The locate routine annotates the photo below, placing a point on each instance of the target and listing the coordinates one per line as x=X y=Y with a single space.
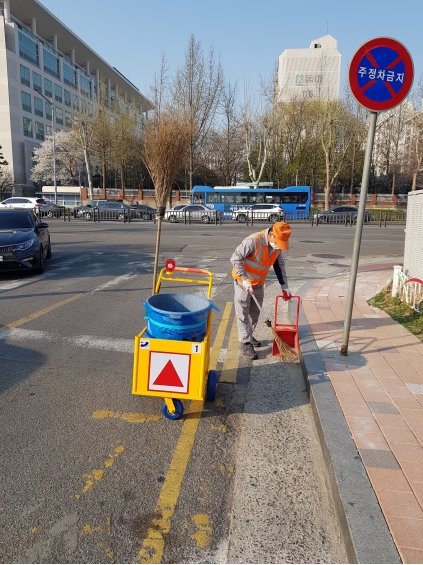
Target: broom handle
x=256 y=301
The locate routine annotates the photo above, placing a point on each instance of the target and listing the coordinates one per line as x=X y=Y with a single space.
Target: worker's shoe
x=255 y=342
x=248 y=350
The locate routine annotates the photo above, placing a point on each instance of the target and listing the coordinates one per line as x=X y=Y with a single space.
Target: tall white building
x=313 y=72
x=42 y=61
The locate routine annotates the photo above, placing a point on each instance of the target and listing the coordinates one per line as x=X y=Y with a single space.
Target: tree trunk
x=352 y=171
x=413 y=186
x=90 y=178
x=394 y=180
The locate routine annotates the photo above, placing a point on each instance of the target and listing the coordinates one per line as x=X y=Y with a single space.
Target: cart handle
x=191 y=270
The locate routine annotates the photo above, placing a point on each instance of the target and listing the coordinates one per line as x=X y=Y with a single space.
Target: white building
x=313 y=72
x=42 y=61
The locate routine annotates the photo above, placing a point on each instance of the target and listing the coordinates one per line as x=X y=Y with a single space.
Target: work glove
x=246 y=283
x=286 y=294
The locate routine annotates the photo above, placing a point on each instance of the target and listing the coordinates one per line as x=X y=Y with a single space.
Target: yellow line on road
x=230 y=365
x=44 y=311
x=154 y=544
x=220 y=336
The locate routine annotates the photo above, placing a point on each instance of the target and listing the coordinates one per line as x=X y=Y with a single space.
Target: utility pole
x=54 y=145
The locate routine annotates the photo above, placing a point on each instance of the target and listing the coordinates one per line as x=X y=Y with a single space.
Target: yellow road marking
x=153 y=545
x=230 y=366
x=44 y=311
x=220 y=336
x=204 y=530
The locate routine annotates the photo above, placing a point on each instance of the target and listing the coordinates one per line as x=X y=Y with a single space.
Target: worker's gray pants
x=246 y=311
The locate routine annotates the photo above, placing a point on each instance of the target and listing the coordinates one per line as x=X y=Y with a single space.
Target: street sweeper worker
x=251 y=262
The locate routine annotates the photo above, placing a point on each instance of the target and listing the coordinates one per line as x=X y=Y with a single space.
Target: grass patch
x=399 y=311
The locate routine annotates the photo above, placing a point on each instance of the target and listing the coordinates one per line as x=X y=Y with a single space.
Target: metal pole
x=54 y=153
x=358 y=232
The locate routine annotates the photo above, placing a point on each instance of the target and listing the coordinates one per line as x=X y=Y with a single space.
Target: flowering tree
x=68 y=159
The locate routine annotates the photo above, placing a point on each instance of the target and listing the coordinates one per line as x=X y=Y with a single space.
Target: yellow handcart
x=175 y=369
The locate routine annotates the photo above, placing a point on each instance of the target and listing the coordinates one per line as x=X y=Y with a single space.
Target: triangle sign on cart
x=169 y=372
x=168 y=376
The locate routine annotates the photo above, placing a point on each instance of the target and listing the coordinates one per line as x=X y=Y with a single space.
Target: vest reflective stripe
x=257 y=265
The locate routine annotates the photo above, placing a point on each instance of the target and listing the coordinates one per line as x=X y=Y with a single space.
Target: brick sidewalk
x=380 y=390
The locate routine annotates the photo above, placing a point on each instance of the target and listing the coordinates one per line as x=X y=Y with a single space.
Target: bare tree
x=196 y=93
x=416 y=137
x=83 y=131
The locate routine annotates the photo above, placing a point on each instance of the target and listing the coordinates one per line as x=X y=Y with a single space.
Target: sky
x=247 y=36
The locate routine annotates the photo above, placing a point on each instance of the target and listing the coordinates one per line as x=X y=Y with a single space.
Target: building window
x=38 y=106
x=76 y=102
x=68 y=119
x=39 y=131
x=51 y=63
x=36 y=81
x=49 y=131
x=59 y=116
x=49 y=111
x=27 y=125
x=48 y=88
x=85 y=85
x=58 y=93
x=28 y=48
x=68 y=98
x=69 y=74
x=26 y=101
x=25 y=79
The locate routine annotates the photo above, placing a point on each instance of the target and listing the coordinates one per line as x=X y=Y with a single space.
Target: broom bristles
x=286 y=352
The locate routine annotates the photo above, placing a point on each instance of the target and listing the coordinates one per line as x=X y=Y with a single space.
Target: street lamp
x=54 y=145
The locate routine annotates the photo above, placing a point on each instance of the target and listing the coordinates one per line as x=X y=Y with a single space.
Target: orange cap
x=282 y=232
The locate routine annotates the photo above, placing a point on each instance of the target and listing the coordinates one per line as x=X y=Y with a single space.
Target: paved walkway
x=380 y=390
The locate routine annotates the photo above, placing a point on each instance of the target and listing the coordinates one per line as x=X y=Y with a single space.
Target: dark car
x=339 y=213
x=78 y=211
x=24 y=241
x=143 y=211
x=193 y=212
x=51 y=210
x=108 y=210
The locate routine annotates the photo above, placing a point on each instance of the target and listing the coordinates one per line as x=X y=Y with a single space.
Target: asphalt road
x=92 y=474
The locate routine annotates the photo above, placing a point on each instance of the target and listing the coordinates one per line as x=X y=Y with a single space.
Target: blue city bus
x=294 y=200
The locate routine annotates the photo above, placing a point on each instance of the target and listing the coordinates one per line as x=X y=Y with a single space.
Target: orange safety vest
x=257 y=265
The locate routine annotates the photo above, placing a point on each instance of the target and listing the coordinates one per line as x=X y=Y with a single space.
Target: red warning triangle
x=168 y=376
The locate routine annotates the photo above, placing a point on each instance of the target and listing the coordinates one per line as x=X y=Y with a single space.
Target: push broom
x=286 y=352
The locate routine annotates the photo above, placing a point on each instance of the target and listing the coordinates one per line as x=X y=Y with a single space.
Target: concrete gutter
x=365 y=533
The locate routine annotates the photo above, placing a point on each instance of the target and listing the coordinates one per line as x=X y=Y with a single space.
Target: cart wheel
x=211 y=386
x=179 y=410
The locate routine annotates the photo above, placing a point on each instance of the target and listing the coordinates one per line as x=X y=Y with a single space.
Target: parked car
x=339 y=213
x=109 y=211
x=143 y=211
x=79 y=210
x=51 y=210
x=24 y=241
x=268 y=212
x=193 y=211
x=23 y=202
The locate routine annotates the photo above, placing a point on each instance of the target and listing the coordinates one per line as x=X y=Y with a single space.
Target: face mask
x=273 y=245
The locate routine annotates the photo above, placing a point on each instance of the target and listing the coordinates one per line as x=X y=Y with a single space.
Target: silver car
x=194 y=212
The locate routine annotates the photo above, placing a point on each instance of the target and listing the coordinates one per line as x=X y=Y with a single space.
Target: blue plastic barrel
x=177 y=316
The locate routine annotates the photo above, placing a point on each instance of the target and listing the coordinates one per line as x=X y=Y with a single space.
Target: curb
x=363 y=527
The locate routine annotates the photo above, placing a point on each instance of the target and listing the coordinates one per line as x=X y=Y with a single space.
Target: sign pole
x=358 y=232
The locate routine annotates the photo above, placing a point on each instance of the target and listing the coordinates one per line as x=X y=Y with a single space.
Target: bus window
x=240 y=198
x=213 y=198
x=272 y=198
x=199 y=197
x=228 y=198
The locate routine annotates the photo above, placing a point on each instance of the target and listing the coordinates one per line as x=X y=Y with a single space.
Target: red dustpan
x=287 y=332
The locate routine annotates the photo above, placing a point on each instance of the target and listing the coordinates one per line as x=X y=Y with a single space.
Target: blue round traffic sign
x=381 y=74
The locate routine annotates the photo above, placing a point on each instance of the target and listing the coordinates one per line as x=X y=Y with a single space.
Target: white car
x=35 y=204
x=268 y=212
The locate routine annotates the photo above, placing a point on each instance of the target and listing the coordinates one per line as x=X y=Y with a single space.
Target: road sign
x=169 y=372
x=381 y=74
